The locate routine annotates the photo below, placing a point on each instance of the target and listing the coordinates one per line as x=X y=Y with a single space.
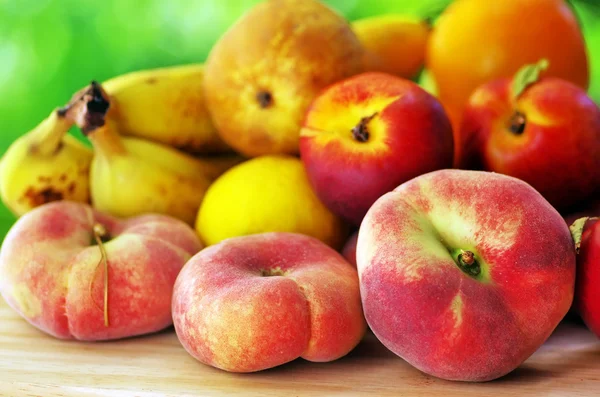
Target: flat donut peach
x=52 y=271
x=258 y=301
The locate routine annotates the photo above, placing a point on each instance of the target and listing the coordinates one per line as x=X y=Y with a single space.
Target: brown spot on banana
x=36 y=198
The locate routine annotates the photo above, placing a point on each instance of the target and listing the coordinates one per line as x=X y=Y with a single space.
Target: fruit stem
x=467 y=258
x=277 y=271
x=46 y=137
x=360 y=132
x=99 y=232
x=264 y=98
x=106 y=140
x=88 y=108
x=467 y=263
x=517 y=123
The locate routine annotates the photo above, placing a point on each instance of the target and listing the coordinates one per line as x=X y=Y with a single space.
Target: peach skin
x=587 y=287
x=266 y=69
x=255 y=302
x=476 y=41
x=464 y=274
x=366 y=135
x=547 y=135
x=53 y=271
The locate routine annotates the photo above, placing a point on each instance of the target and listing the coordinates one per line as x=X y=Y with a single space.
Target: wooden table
x=33 y=364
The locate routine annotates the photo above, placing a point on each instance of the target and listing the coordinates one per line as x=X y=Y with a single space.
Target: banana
x=132 y=176
x=164 y=105
x=45 y=164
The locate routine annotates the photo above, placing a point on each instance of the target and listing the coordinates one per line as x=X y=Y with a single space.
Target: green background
x=51 y=48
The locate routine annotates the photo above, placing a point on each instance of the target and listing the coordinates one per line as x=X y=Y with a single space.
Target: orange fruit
x=475 y=41
x=393 y=43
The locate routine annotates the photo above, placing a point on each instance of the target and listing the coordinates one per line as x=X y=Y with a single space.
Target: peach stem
x=466 y=262
x=361 y=131
x=467 y=258
x=264 y=98
x=517 y=123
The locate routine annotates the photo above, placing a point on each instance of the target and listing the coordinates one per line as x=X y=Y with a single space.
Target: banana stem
x=48 y=135
x=107 y=141
x=88 y=109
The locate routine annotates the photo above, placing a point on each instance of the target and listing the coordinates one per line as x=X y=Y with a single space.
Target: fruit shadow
x=526 y=374
x=569 y=349
x=164 y=333
x=368 y=350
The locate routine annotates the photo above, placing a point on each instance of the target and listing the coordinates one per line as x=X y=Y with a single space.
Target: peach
x=476 y=41
x=366 y=135
x=464 y=274
x=587 y=287
x=547 y=135
x=265 y=70
x=52 y=271
x=258 y=301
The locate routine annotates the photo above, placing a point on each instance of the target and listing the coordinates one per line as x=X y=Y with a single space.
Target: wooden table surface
x=33 y=364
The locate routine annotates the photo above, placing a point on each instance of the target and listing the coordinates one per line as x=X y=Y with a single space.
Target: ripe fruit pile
x=299 y=130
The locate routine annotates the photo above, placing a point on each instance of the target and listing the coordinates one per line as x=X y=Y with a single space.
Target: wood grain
x=34 y=364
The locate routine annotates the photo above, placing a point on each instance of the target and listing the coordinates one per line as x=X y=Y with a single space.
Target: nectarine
x=476 y=41
x=548 y=136
x=364 y=136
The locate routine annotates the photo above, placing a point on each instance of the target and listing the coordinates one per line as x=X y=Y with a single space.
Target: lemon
x=266 y=194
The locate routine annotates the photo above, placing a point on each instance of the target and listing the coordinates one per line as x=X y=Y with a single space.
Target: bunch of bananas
x=154 y=145
x=155 y=148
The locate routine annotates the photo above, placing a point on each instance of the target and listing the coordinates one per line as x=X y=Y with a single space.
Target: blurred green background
x=51 y=48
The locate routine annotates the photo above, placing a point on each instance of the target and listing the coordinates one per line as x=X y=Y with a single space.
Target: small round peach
x=364 y=136
x=545 y=132
x=587 y=287
x=76 y=273
x=464 y=274
x=255 y=302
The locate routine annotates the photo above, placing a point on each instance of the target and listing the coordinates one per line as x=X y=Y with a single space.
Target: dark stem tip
x=517 y=123
x=98 y=103
x=264 y=98
x=62 y=112
x=360 y=132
